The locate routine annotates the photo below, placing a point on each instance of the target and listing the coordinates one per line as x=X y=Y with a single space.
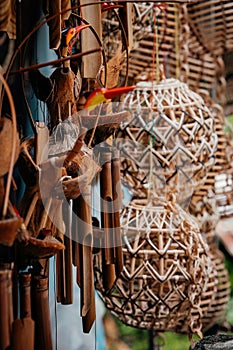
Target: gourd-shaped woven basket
x=166 y=268
x=170 y=137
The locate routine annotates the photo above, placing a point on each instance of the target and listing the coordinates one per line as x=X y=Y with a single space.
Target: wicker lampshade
x=166 y=268
x=171 y=137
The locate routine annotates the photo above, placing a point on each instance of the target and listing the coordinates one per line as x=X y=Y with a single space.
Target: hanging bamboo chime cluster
x=57 y=166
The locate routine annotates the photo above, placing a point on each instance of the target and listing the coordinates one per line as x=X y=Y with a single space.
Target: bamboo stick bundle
x=41 y=313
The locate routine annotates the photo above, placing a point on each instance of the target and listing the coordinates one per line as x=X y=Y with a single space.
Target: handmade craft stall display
x=154 y=266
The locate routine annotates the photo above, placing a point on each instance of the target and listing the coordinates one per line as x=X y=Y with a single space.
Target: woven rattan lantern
x=170 y=137
x=166 y=268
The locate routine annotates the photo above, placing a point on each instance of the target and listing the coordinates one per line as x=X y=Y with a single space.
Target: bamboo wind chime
x=110 y=221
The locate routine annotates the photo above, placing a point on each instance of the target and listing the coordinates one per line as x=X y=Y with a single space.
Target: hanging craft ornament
x=166 y=268
x=172 y=125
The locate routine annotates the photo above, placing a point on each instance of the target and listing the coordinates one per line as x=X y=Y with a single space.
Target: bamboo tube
x=15 y=296
x=41 y=313
x=60 y=276
x=108 y=251
x=23 y=329
x=10 y=301
x=91 y=63
x=4 y=310
x=68 y=299
x=86 y=273
x=117 y=201
x=126 y=15
x=75 y=245
x=42 y=139
x=25 y=295
x=74 y=235
x=106 y=206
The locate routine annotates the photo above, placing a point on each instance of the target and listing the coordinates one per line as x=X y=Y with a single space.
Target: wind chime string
x=158 y=9
x=177 y=50
x=152 y=182
x=155 y=66
x=155 y=51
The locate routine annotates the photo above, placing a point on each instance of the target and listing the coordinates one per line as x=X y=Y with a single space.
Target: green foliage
x=230 y=118
x=174 y=341
x=138 y=339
